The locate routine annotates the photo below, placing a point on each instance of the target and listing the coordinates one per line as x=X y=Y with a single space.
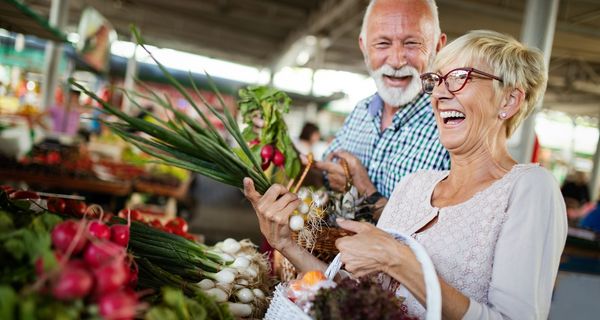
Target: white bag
x=283 y=308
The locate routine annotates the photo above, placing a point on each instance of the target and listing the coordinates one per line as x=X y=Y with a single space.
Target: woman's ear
x=512 y=103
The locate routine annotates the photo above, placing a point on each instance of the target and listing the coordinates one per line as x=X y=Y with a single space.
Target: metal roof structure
x=17 y=17
x=271 y=33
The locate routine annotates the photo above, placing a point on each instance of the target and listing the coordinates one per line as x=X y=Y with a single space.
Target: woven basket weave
x=283 y=308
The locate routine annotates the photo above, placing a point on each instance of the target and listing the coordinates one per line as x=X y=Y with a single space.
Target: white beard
x=396 y=97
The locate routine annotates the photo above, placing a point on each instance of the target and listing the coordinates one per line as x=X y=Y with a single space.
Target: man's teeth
x=451 y=114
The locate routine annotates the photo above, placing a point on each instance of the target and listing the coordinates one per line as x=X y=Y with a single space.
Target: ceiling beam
x=327 y=13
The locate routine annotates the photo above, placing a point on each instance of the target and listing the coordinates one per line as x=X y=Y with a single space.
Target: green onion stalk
x=182 y=141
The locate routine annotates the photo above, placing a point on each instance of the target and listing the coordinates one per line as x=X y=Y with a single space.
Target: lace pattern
x=462 y=242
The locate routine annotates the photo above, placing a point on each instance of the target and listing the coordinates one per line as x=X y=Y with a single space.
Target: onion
x=258 y=293
x=240 y=309
x=218 y=294
x=206 y=284
x=231 y=246
x=303 y=208
x=296 y=223
x=241 y=262
x=225 y=276
x=244 y=295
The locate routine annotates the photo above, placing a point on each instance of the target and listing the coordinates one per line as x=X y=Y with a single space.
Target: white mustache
x=405 y=71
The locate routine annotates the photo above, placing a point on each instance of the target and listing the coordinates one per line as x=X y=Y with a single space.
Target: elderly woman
x=493 y=228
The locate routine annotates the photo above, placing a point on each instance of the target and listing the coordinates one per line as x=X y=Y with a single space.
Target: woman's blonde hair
x=519 y=66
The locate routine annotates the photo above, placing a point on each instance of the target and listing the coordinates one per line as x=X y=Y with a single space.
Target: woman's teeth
x=452 y=116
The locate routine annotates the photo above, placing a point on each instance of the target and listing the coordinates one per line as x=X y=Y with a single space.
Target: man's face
x=399 y=46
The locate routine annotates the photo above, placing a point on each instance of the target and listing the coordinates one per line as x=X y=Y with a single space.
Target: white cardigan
x=501 y=248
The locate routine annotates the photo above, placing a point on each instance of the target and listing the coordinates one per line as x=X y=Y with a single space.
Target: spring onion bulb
x=244 y=295
x=218 y=294
x=258 y=293
x=206 y=284
x=303 y=208
x=240 y=309
x=296 y=223
x=241 y=262
x=231 y=246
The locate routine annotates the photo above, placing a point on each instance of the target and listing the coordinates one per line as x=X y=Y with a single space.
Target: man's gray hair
x=432 y=7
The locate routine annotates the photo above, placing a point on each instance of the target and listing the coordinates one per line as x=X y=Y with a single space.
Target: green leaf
x=8 y=302
x=16 y=248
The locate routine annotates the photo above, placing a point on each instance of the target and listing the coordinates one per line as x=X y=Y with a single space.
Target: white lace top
x=501 y=248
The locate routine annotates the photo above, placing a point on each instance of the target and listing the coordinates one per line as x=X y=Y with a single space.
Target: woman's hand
x=273 y=210
x=373 y=250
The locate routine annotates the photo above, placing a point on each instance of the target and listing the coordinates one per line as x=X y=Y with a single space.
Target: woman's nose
x=440 y=91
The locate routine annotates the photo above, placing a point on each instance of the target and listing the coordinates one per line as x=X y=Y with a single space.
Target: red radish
x=110 y=277
x=56 y=205
x=24 y=194
x=120 y=305
x=133 y=275
x=73 y=283
x=119 y=234
x=278 y=158
x=75 y=208
x=99 y=230
x=135 y=214
x=266 y=153
x=265 y=164
x=39 y=263
x=101 y=252
x=7 y=189
x=253 y=142
x=64 y=234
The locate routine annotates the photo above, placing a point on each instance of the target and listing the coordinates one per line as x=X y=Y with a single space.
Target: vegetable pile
x=90 y=266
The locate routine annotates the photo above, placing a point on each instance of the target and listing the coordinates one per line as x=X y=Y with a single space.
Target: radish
x=278 y=158
x=72 y=283
x=119 y=233
x=267 y=151
x=64 y=234
x=99 y=230
x=120 y=305
x=101 y=252
x=110 y=277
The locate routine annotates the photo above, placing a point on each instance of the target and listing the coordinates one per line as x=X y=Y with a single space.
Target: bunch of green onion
x=182 y=141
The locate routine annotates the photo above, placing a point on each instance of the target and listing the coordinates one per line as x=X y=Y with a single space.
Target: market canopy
x=17 y=17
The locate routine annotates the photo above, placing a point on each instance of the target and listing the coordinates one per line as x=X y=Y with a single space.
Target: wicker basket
x=283 y=308
x=324 y=246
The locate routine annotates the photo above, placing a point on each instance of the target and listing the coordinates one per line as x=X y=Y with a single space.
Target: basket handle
x=432 y=284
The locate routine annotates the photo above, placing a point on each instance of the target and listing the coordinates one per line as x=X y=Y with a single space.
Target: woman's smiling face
x=468 y=118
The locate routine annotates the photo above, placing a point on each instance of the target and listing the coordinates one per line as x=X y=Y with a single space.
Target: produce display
x=68 y=259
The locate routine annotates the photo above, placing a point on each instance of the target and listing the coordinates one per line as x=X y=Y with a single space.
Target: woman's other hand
x=372 y=250
x=273 y=210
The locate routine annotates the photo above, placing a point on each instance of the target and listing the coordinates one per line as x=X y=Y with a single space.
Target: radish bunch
x=270 y=154
x=94 y=266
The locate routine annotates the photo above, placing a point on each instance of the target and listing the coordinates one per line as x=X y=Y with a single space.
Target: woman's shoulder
x=534 y=177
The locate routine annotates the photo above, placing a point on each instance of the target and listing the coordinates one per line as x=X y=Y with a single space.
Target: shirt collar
x=375 y=108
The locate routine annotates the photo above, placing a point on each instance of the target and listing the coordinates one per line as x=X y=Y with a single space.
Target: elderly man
x=393 y=132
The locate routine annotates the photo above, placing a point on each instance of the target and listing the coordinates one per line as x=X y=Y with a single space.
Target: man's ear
x=361 y=45
x=513 y=102
x=441 y=42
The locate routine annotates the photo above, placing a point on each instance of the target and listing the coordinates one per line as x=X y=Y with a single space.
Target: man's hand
x=337 y=176
x=273 y=210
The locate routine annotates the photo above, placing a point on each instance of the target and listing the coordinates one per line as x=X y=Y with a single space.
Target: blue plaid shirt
x=409 y=144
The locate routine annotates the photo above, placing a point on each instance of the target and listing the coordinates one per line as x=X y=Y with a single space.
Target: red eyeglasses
x=455 y=79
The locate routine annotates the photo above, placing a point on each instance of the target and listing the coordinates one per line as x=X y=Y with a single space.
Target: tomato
x=56 y=205
x=135 y=214
x=24 y=194
x=75 y=208
x=178 y=225
x=156 y=224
